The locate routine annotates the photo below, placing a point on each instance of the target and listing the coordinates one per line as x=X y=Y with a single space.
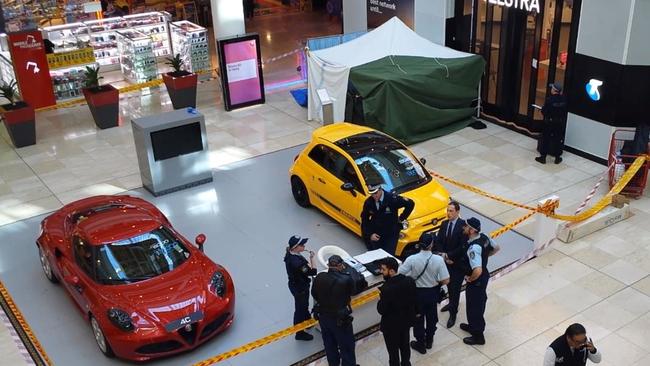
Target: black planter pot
x=104 y=105
x=20 y=121
x=181 y=89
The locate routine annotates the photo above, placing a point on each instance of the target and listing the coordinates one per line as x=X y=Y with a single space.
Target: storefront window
x=563 y=45
x=529 y=45
x=495 y=47
x=544 y=55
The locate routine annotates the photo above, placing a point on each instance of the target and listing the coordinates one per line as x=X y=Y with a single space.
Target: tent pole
x=478 y=105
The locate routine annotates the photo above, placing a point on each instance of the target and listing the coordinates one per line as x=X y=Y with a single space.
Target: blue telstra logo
x=592 y=89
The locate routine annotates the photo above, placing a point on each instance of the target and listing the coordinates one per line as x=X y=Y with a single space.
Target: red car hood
x=167 y=297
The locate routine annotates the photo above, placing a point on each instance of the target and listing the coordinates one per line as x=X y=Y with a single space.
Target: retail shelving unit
x=7 y=73
x=153 y=24
x=137 y=58
x=104 y=40
x=68 y=37
x=191 y=42
x=23 y=14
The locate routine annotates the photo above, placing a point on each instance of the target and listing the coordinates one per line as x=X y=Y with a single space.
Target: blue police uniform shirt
x=474 y=254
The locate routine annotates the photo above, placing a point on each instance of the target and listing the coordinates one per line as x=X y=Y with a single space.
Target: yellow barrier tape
x=123 y=90
x=356 y=302
x=23 y=324
x=549 y=211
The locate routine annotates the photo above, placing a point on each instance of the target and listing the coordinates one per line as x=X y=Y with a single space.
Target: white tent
x=329 y=68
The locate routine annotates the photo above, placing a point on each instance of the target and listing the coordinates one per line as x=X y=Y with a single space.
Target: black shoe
x=558 y=160
x=541 y=159
x=418 y=347
x=429 y=344
x=465 y=327
x=304 y=336
x=451 y=321
x=474 y=340
x=445 y=308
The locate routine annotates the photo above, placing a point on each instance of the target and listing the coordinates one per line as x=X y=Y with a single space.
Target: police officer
x=450 y=243
x=332 y=292
x=573 y=348
x=551 y=142
x=299 y=271
x=429 y=272
x=380 y=223
x=479 y=248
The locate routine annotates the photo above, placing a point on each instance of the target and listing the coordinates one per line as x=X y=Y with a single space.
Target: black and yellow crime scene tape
x=23 y=330
x=547 y=210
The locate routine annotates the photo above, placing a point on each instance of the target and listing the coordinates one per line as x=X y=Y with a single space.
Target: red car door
x=76 y=268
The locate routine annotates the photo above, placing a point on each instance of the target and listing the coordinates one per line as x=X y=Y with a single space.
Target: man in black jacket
x=396 y=306
x=551 y=142
x=332 y=292
x=450 y=242
x=573 y=348
x=380 y=223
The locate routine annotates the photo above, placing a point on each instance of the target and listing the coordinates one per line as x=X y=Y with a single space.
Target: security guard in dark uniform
x=479 y=248
x=299 y=271
x=380 y=224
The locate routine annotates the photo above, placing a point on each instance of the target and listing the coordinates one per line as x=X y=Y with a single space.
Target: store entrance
x=524 y=51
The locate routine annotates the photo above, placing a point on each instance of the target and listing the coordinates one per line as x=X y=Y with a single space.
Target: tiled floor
x=601 y=280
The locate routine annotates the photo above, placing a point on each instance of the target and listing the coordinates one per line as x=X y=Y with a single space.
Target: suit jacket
x=384 y=221
x=454 y=244
x=397 y=299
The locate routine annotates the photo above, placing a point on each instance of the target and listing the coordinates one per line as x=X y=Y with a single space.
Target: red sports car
x=146 y=290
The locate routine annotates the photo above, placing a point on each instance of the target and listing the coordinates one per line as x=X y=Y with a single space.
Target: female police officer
x=299 y=270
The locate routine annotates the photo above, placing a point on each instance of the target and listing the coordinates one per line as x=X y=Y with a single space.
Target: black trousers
x=301 y=305
x=551 y=142
x=427 y=301
x=476 y=297
x=397 y=345
x=338 y=341
x=456 y=278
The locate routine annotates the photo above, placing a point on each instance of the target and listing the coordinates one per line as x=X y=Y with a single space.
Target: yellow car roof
x=337 y=131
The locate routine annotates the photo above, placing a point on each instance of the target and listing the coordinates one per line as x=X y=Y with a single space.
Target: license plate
x=180 y=323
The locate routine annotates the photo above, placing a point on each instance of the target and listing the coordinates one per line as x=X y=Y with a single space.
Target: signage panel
x=31 y=68
x=379 y=11
x=240 y=66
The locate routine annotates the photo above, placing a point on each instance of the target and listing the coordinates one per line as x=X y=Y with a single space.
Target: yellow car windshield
x=395 y=169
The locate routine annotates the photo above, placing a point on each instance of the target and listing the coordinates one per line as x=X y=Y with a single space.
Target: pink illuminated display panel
x=241 y=71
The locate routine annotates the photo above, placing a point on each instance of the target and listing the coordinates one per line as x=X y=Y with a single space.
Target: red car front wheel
x=102 y=343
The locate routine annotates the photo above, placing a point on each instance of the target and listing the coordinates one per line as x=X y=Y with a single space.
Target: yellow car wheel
x=299 y=191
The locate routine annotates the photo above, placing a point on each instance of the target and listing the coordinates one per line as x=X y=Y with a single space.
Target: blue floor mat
x=300 y=95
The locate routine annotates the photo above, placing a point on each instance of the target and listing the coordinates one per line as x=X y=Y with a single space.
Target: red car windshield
x=140 y=257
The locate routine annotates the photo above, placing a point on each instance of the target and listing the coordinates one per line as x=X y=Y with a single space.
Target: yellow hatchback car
x=332 y=171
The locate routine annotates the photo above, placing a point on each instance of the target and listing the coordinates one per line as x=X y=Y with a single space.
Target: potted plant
x=103 y=100
x=181 y=84
x=19 y=116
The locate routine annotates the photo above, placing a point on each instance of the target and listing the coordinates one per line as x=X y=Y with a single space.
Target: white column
x=431 y=19
x=227 y=18
x=355 y=16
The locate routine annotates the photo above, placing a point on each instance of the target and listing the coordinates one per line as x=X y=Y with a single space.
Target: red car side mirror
x=200 y=240
x=72 y=280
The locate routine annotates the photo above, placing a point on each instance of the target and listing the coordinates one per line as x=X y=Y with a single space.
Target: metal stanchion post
x=327 y=106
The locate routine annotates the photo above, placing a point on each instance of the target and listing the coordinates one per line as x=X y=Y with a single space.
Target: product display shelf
x=137 y=58
x=191 y=42
x=67 y=82
x=23 y=14
x=153 y=24
x=67 y=37
x=104 y=40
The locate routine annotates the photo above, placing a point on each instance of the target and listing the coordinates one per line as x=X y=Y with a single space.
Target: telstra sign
x=528 y=5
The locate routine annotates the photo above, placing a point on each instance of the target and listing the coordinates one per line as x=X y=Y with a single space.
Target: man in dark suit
x=397 y=298
x=450 y=242
x=380 y=223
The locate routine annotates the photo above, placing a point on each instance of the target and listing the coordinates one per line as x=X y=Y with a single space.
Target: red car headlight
x=120 y=319
x=218 y=284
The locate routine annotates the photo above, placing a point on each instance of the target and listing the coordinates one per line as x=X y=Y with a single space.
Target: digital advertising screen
x=379 y=11
x=176 y=141
x=240 y=64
